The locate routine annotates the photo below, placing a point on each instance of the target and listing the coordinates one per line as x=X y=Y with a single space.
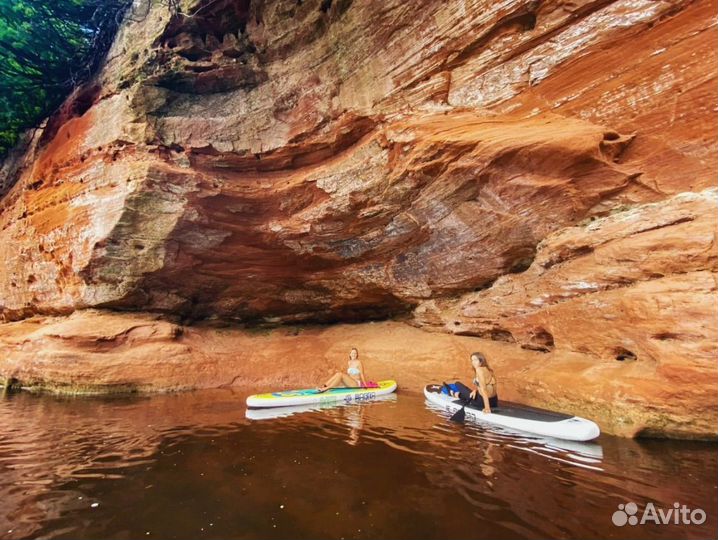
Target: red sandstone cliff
x=530 y=173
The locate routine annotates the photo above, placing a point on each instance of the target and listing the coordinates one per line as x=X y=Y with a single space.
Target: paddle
x=460 y=415
x=340 y=388
x=349 y=388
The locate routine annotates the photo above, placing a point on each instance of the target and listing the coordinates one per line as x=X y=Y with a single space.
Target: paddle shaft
x=350 y=388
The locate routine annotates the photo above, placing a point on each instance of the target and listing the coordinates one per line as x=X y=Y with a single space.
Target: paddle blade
x=459 y=416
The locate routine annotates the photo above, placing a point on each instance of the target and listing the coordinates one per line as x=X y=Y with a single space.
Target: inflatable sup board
x=272 y=413
x=292 y=398
x=528 y=419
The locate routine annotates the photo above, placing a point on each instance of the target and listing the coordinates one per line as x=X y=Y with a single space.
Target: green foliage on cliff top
x=47 y=47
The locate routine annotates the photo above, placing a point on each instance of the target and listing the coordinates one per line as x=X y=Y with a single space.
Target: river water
x=195 y=466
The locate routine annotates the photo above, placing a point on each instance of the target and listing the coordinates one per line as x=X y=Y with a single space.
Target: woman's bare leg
x=349 y=381
x=331 y=383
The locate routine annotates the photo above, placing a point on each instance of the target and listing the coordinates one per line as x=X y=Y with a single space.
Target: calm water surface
x=195 y=466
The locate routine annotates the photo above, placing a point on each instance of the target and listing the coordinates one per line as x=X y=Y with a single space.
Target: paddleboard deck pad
x=528 y=419
x=310 y=396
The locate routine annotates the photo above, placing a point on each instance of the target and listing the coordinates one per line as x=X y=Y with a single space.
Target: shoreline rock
x=99 y=351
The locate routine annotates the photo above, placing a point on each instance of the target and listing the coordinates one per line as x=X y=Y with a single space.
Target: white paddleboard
x=530 y=420
x=292 y=398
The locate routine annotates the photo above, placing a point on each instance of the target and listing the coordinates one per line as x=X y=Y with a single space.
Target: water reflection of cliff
x=173 y=465
x=49 y=444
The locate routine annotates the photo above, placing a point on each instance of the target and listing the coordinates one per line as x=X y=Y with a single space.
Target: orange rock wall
x=264 y=161
x=93 y=351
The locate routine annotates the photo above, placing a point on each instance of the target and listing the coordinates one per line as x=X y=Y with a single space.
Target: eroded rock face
x=95 y=351
x=618 y=285
x=633 y=294
x=357 y=166
x=410 y=211
x=268 y=161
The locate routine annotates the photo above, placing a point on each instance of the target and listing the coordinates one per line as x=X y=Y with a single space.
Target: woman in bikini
x=484 y=395
x=353 y=377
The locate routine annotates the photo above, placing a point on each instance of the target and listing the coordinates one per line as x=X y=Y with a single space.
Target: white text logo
x=679 y=514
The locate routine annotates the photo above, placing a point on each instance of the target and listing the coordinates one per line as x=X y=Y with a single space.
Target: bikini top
x=353 y=371
x=491 y=382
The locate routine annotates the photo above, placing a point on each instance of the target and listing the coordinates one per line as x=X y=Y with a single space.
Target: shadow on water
x=199 y=465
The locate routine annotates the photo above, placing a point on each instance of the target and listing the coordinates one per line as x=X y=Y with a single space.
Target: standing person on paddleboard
x=353 y=377
x=484 y=395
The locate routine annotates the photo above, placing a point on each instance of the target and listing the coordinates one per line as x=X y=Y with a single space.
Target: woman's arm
x=361 y=374
x=482 y=390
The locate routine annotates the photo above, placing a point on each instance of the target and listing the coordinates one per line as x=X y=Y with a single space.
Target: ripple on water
x=199 y=465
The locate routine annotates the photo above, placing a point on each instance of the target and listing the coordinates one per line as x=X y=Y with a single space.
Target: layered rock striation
x=534 y=174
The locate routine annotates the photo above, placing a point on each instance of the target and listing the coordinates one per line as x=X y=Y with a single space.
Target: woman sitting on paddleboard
x=484 y=395
x=353 y=377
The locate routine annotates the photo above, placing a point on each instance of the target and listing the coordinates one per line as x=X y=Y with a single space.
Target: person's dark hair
x=354 y=349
